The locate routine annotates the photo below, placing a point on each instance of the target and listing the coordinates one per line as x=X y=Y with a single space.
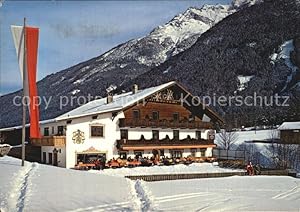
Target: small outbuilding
x=290 y=132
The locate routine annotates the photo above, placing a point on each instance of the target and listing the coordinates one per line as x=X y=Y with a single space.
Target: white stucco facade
x=67 y=156
x=105 y=144
x=61 y=155
x=94 y=129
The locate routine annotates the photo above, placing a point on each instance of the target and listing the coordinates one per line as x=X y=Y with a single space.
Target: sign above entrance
x=78 y=137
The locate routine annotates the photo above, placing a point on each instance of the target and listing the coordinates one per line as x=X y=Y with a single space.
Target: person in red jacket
x=249 y=168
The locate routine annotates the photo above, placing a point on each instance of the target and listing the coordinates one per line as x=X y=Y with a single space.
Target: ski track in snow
x=20 y=188
x=145 y=196
x=119 y=206
x=211 y=204
x=133 y=203
x=290 y=193
x=181 y=196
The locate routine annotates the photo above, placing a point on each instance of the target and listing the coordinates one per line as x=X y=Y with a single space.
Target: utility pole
x=24 y=98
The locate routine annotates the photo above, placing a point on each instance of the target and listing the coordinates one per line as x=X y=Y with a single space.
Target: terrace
x=57 y=141
x=183 y=124
x=125 y=144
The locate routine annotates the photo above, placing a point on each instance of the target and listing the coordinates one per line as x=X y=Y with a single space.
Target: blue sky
x=74 y=31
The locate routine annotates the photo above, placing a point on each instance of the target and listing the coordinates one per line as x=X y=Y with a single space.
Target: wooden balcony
x=184 y=124
x=57 y=141
x=150 y=144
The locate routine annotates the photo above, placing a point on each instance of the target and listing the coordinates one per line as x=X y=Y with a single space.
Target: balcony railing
x=163 y=142
x=165 y=124
x=58 y=141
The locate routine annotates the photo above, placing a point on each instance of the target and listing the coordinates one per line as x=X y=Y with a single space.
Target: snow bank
x=37 y=187
x=174 y=169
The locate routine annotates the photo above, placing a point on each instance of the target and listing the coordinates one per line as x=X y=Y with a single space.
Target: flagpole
x=24 y=105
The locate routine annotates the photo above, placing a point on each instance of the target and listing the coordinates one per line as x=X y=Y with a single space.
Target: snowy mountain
x=184 y=29
x=122 y=63
x=243 y=48
x=255 y=51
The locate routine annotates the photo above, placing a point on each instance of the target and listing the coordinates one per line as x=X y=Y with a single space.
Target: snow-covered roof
x=99 y=106
x=290 y=126
x=119 y=102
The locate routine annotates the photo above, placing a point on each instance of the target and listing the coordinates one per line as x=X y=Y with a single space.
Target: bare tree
x=227 y=139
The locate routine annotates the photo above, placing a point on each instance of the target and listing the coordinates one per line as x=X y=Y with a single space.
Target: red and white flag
x=31 y=35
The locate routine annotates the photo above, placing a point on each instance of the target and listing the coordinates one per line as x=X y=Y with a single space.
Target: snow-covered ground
x=243 y=80
x=238 y=193
x=38 y=187
x=174 y=169
x=250 y=135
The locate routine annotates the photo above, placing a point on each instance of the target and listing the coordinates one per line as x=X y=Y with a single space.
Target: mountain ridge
x=118 y=65
x=239 y=45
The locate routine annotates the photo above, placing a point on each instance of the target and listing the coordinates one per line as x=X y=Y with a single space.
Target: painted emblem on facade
x=78 y=137
x=4 y=149
x=211 y=135
x=91 y=149
x=163 y=96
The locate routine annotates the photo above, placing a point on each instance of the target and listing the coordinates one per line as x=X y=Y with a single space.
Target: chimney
x=109 y=98
x=135 y=89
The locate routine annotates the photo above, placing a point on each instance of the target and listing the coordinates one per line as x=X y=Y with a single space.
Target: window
x=46 y=131
x=138 y=154
x=198 y=135
x=175 y=134
x=202 y=152
x=175 y=116
x=97 y=131
x=50 y=158
x=44 y=157
x=60 y=130
x=176 y=154
x=124 y=134
x=155 y=115
x=155 y=134
x=52 y=131
x=162 y=152
x=193 y=152
x=136 y=114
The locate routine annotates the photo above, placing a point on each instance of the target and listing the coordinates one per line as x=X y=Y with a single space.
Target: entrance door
x=44 y=157
x=50 y=158
x=90 y=157
x=55 y=161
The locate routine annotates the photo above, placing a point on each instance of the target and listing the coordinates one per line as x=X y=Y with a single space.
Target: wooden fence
x=229 y=154
x=163 y=177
